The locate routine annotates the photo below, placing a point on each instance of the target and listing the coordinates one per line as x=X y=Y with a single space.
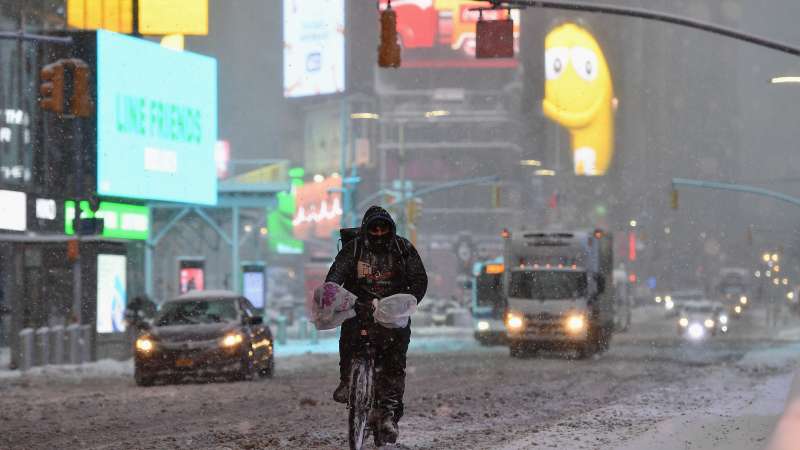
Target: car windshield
x=544 y=285
x=192 y=312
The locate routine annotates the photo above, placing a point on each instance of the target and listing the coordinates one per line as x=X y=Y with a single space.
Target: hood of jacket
x=375 y=213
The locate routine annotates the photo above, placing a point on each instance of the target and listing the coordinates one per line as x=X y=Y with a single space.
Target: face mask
x=380 y=242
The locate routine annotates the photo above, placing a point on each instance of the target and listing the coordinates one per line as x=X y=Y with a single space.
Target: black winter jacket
x=405 y=273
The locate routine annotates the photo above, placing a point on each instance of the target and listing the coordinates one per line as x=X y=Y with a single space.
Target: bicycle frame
x=362 y=381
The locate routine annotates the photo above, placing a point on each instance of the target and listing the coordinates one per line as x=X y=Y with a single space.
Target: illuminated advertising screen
x=156 y=121
x=253 y=286
x=318 y=209
x=192 y=276
x=111 y=293
x=13 y=210
x=441 y=33
x=313 y=47
x=120 y=220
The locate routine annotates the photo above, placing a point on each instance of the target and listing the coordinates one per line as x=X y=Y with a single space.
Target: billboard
x=313 y=47
x=156 y=121
x=319 y=209
x=111 y=293
x=441 y=33
x=191 y=275
x=120 y=220
x=155 y=16
x=579 y=95
x=13 y=210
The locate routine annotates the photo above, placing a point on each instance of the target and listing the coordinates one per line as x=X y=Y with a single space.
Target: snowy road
x=647 y=386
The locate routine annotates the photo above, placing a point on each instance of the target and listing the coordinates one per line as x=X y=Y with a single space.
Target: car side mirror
x=255 y=320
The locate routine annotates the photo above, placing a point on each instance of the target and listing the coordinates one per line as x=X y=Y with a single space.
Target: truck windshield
x=543 y=285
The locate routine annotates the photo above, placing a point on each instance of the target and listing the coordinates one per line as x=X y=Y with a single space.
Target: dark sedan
x=204 y=333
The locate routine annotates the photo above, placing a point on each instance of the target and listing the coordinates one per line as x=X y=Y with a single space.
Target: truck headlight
x=232 y=340
x=684 y=322
x=145 y=345
x=575 y=323
x=483 y=325
x=514 y=321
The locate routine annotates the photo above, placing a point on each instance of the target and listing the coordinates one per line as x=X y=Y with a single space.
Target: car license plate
x=183 y=362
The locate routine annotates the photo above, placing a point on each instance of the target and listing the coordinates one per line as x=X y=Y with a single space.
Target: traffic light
x=497 y=193
x=80 y=103
x=674 y=199
x=413 y=210
x=52 y=87
x=389 y=49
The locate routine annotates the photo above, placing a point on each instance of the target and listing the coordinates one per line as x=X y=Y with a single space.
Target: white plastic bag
x=331 y=305
x=394 y=311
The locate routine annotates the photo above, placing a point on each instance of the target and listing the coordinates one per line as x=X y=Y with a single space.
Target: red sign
x=319 y=209
x=441 y=33
x=191 y=280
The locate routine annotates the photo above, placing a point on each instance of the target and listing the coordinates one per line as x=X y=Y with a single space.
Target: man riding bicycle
x=377 y=264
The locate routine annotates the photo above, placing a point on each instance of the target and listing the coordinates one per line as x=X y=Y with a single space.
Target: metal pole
x=148 y=269
x=736 y=188
x=650 y=15
x=235 y=249
x=135 y=18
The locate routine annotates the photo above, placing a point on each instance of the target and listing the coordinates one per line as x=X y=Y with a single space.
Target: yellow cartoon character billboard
x=579 y=95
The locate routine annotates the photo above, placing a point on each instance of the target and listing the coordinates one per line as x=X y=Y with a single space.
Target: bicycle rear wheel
x=360 y=402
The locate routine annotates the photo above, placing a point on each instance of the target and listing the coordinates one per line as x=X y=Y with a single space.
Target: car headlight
x=709 y=323
x=743 y=300
x=669 y=305
x=696 y=331
x=684 y=322
x=658 y=299
x=483 y=325
x=514 y=321
x=737 y=309
x=232 y=340
x=723 y=319
x=145 y=345
x=668 y=298
x=575 y=323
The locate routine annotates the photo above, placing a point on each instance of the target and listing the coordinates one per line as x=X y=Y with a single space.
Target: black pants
x=390 y=362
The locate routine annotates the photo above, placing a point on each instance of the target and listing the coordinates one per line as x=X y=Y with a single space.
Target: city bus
x=488 y=302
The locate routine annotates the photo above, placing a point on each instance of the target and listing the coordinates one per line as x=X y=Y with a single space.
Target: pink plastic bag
x=331 y=305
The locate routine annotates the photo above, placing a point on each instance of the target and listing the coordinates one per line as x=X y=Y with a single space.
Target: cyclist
x=376 y=264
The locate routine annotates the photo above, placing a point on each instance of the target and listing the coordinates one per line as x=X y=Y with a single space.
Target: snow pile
x=771 y=358
x=105 y=368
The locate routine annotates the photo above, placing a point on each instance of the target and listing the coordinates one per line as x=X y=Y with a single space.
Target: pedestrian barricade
x=55 y=345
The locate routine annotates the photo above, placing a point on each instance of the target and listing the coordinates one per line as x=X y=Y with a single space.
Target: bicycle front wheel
x=360 y=402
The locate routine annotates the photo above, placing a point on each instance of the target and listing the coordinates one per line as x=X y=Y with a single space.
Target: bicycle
x=362 y=384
